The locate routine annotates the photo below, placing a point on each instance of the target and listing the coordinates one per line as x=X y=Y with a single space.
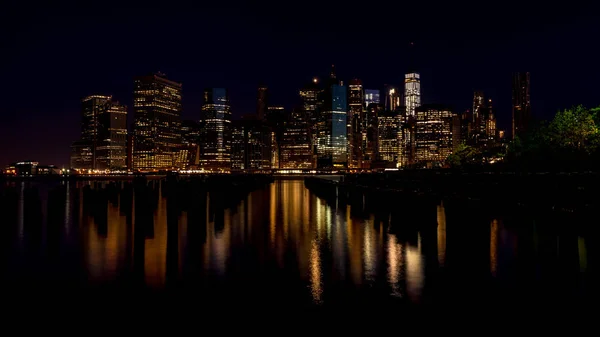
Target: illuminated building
x=355 y=123
x=103 y=139
x=262 y=102
x=370 y=138
x=216 y=135
x=250 y=145
x=275 y=119
x=295 y=147
x=388 y=125
x=312 y=105
x=371 y=97
x=332 y=141
x=111 y=151
x=412 y=92
x=521 y=104
x=434 y=129
x=91 y=109
x=392 y=98
x=406 y=136
x=490 y=127
x=190 y=143
x=82 y=155
x=157 y=125
x=482 y=127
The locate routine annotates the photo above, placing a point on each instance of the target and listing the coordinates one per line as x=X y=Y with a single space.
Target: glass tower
x=216 y=138
x=412 y=92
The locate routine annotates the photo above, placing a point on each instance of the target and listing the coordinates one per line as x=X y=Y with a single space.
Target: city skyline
x=449 y=71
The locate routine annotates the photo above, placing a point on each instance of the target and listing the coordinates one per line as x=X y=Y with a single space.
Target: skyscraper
x=521 y=105
x=332 y=131
x=388 y=124
x=355 y=122
x=412 y=92
x=92 y=107
x=434 y=132
x=311 y=102
x=103 y=139
x=111 y=149
x=216 y=137
x=262 y=101
x=157 y=126
x=295 y=147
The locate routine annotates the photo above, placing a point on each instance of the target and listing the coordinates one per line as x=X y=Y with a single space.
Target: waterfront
x=282 y=245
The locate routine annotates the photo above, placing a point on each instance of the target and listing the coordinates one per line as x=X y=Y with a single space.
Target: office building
x=434 y=131
x=412 y=92
x=157 y=125
x=295 y=147
x=216 y=136
x=355 y=122
x=521 y=104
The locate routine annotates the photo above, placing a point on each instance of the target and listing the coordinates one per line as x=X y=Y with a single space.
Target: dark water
x=283 y=246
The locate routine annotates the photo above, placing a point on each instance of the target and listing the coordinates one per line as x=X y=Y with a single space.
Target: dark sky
x=54 y=54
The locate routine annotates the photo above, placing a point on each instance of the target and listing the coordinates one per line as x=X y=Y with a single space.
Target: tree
x=574 y=129
x=463 y=156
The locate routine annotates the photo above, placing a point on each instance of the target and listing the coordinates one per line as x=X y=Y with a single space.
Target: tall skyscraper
x=92 y=107
x=332 y=140
x=157 y=126
x=388 y=124
x=434 y=132
x=355 y=122
x=216 y=137
x=412 y=92
x=262 y=101
x=311 y=102
x=295 y=147
x=103 y=139
x=111 y=150
x=250 y=145
x=521 y=104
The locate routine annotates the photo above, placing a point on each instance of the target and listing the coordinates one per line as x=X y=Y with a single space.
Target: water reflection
x=278 y=237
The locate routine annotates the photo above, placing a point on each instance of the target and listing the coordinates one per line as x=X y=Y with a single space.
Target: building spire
x=411 y=58
x=332 y=74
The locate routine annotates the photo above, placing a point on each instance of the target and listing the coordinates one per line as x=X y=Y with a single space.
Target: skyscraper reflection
x=494 y=247
x=441 y=234
x=414 y=270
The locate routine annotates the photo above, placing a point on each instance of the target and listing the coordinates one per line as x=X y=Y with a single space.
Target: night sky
x=53 y=55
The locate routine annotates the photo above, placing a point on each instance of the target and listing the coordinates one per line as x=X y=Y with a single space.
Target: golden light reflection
x=315 y=273
x=441 y=234
x=355 y=249
x=582 y=250
x=155 y=248
x=395 y=264
x=272 y=214
x=414 y=271
x=105 y=253
x=370 y=250
x=494 y=247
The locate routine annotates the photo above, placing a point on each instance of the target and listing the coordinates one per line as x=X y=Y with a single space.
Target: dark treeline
x=570 y=142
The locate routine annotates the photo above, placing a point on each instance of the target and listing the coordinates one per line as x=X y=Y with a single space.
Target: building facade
x=388 y=124
x=332 y=142
x=215 y=153
x=434 y=131
x=521 y=104
x=157 y=125
x=295 y=147
x=111 y=149
x=355 y=119
x=412 y=92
